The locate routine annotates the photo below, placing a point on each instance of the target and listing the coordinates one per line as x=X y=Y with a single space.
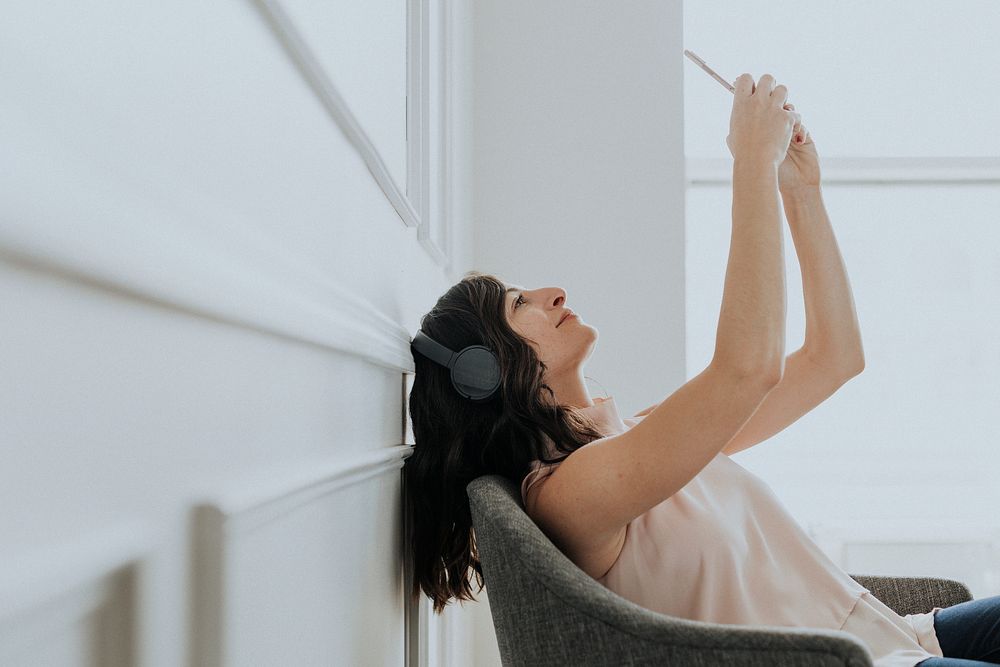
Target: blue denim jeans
x=969 y=634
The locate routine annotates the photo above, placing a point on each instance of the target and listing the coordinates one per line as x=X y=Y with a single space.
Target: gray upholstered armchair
x=546 y=611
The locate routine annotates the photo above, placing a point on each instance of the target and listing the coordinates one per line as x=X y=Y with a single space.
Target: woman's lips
x=571 y=315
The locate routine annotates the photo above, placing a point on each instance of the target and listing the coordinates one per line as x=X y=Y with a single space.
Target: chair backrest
x=545 y=609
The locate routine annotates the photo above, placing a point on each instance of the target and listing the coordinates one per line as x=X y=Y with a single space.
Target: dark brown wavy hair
x=458 y=440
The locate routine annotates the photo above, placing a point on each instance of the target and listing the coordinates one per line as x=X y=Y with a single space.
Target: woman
x=651 y=506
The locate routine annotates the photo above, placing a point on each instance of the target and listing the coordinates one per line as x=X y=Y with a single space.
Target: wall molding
x=864 y=170
x=411 y=200
x=220 y=519
x=46 y=592
x=309 y=66
x=191 y=252
x=257 y=500
x=962 y=543
x=443 y=129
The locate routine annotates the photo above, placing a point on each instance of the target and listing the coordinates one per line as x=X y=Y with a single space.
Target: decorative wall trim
x=954 y=530
x=190 y=252
x=217 y=521
x=417 y=614
x=862 y=170
x=418 y=116
x=443 y=129
x=254 y=502
x=297 y=48
x=412 y=200
x=43 y=594
x=950 y=542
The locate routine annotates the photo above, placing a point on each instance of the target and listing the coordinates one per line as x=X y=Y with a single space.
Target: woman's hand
x=800 y=167
x=758 y=125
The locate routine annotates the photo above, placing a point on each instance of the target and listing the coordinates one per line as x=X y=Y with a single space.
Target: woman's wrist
x=799 y=191
x=755 y=165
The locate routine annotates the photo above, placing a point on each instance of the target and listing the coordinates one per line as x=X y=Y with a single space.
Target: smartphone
x=711 y=72
x=701 y=63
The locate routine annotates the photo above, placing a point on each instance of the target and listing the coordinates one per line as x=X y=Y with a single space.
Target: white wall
x=579 y=175
x=206 y=298
x=896 y=473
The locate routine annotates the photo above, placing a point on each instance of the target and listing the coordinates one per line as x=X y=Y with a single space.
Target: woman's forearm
x=751 y=329
x=833 y=335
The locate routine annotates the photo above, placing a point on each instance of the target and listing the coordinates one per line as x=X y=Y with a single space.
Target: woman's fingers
x=801 y=134
x=798 y=129
x=744 y=84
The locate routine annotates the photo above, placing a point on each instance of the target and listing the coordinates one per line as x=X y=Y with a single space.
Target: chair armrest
x=655 y=640
x=748 y=646
x=598 y=627
x=914 y=595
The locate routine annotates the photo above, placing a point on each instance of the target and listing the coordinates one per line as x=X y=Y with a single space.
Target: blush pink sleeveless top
x=724 y=549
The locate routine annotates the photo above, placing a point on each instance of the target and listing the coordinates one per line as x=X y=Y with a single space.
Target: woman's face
x=535 y=314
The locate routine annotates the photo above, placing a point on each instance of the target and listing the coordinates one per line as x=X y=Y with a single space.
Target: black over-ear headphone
x=475 y=371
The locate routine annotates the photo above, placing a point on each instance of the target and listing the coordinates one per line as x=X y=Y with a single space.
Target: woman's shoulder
x=536 y=475
x=539 y=470
x=632 y=421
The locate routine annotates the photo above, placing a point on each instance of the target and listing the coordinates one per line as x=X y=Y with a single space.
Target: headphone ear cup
x=475 y=373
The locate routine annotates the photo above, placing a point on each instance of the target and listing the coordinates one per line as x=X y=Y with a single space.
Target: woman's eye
x=519 y=300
